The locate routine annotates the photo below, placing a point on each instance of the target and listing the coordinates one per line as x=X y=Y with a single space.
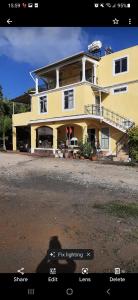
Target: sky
x=27 y=48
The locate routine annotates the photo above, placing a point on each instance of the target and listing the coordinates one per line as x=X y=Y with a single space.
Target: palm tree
x=5 y=125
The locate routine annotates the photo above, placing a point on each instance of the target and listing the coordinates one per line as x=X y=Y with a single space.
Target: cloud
x=39 y=46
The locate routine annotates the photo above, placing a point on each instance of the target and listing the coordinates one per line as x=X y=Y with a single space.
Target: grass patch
x=119 y=209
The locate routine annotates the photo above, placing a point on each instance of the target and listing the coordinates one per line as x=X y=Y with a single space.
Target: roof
x=60 y=62
x=25 y=98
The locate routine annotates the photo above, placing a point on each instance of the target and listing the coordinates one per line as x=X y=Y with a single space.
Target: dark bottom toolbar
x=38 y=286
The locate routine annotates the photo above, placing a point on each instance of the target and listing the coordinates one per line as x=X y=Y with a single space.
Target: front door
x=91 y=136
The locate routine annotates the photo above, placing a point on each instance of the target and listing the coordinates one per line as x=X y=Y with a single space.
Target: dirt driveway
x=83 y=203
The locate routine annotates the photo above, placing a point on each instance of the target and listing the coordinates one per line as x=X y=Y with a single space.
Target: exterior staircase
x=109 y=117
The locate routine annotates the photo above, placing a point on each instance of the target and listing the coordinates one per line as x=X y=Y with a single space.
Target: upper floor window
x=121 y=89
x=120 y=65
x=43 y=104
x=68 y=99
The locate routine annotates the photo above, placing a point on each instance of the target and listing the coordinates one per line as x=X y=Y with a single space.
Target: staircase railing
x=110 y=116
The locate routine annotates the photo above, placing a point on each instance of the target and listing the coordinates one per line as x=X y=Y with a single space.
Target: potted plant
x=94 y=156
x=81 y=146
x=85 y=149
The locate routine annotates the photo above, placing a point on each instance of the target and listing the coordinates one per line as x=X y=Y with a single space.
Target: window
x=43 y=104
x=105 y=138
x=121 y=65
x=118 y=90
x=69 y=99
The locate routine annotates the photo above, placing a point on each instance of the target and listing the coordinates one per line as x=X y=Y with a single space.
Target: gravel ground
x=79 y=171
x=45 y=197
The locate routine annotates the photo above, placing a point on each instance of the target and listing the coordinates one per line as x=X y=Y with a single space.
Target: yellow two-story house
x=81 y=96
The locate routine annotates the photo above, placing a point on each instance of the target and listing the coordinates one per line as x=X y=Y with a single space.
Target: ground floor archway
x=23 y=138
x=44 y=137
x=66 y=132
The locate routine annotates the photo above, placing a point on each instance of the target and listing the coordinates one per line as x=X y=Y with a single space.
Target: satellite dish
x=95 y=46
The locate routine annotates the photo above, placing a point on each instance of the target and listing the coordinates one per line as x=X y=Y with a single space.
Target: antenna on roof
x=108 y=50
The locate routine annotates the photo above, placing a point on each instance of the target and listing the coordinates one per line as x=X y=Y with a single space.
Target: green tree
x=133 y=143
x=5 y=125
x=1 y=93
x=5 y=117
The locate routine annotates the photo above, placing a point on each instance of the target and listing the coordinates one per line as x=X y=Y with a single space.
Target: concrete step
x=44 y=153
x=122 y=153
x=125 y=158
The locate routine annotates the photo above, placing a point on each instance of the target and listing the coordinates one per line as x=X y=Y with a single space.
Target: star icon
x=115 y=21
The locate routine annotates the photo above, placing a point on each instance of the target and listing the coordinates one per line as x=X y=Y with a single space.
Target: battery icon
x=36 y=5
x=128 y=5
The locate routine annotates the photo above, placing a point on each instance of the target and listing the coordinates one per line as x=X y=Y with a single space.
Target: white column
x=54 y=138
x=33 y=138
x=94 y=73
x=36 y=85
x=83 y=69
x=14 y=138
x=57 y=78
x=100 y=95
x=85 y=134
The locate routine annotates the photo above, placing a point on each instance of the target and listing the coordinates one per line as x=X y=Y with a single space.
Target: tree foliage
x=5 y=125
x=5 y=117
x=133 y=143
x=1 y=93
x=86 y=149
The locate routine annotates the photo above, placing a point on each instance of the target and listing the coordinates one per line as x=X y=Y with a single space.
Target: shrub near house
x=133 y=143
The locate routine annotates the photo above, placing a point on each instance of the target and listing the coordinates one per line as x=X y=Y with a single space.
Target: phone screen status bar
x=23 y=5
x=111 y=5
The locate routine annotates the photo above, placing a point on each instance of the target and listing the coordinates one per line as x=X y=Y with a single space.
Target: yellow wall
x=105 y=69
x=21 y=119
x=115 y=136
x=83 y=95
x=125 y=104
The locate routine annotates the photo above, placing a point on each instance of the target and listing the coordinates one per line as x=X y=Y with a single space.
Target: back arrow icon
x=108 y=292
x=9 y=21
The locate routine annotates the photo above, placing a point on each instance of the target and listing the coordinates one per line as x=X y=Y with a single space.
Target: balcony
x=21 y=108
x=76 y=70
x=62 y=83
x=109 y=117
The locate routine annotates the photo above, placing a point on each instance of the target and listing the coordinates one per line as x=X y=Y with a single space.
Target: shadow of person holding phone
x=46 y=264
